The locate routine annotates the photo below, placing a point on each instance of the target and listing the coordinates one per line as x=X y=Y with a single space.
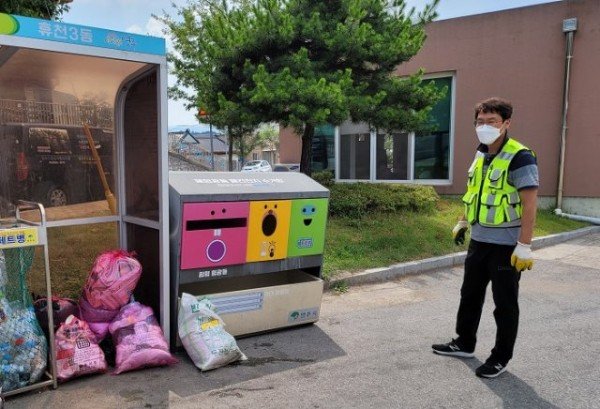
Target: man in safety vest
x=500 y=206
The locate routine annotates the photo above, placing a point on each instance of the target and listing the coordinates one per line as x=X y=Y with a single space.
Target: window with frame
x=432 y=149
x=367 y=154
x=393 y=157
x=323 y=148
x=355 y=151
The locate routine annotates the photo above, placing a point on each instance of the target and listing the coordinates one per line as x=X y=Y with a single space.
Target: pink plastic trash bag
x=139 y=340
x=77 y=352
x=98 y=319
x=112 y=280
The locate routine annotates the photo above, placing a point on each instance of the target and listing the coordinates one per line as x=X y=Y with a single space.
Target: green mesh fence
x=23 y=346
x=17 y=263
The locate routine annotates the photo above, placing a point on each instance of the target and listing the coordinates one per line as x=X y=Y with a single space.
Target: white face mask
x=487 y=134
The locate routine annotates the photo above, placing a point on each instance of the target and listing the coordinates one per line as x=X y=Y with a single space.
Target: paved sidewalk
x=371 y=349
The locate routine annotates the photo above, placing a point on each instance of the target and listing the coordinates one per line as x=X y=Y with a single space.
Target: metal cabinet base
x=264 y=302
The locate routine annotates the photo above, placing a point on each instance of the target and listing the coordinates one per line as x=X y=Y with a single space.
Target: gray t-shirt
x=522 y=174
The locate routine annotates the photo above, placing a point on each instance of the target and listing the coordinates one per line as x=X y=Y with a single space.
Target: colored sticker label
x=304 y=243
x=21 y=237
x=210 y=324
x=307 y=314
x=8 y=24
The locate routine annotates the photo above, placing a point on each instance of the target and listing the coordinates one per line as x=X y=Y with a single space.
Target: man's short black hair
x=495 y=105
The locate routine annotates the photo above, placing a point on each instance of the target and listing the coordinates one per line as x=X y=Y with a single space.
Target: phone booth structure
x=277 y=281
x=83 y=130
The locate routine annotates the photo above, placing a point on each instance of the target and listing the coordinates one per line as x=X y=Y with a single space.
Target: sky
x=135 y=16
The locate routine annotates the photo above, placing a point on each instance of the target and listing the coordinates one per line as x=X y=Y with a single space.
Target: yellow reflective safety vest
x=490 y=200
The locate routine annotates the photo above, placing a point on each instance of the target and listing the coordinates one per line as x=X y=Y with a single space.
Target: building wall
x=290 y=146
x=519 y=54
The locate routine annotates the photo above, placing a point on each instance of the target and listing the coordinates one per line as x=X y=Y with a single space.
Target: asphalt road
x=371 y=349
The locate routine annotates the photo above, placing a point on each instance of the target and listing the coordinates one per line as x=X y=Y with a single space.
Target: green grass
x=548 y=223
x=340 y=287
x=351 y=245
x=382 y=240
x=72 y=252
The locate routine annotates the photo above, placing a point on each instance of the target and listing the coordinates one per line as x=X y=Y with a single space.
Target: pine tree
x=303 y=63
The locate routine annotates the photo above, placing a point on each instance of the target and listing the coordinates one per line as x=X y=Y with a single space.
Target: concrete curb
x=376 y=275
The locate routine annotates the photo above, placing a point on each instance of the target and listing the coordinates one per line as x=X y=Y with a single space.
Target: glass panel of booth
x=46 y=154
x=72 y=251
x=141 y=148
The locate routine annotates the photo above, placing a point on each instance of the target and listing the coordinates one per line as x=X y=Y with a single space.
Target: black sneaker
x=490 y=370
x=452 y=349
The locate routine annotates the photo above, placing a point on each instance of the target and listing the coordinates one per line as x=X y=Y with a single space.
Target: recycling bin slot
x=234 y=304
x=215 y=224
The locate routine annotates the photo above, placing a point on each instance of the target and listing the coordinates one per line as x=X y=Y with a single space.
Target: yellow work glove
x=458 y=232
x=522 y=258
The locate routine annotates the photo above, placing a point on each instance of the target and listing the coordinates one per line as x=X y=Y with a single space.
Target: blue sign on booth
x=81 y=35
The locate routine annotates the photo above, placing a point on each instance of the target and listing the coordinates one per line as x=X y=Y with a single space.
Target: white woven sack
x=203 y=336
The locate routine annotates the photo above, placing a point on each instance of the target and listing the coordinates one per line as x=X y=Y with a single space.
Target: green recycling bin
x=307 y=227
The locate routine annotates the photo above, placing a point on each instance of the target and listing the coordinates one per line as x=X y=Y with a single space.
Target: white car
x=257 y=166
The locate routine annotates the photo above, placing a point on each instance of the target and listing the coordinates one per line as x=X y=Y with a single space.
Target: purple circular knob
x=216 y=250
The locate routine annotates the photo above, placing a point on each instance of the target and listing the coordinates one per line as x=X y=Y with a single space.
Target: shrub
x=358 y=199
x=347 y=200
x=324 y=177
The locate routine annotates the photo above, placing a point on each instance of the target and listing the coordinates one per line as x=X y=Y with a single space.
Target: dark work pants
x=487 y=262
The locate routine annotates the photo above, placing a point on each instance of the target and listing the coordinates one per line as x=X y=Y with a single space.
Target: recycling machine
x=250 y=242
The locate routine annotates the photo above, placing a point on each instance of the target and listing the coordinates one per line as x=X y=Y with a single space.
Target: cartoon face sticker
x=308 y=212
